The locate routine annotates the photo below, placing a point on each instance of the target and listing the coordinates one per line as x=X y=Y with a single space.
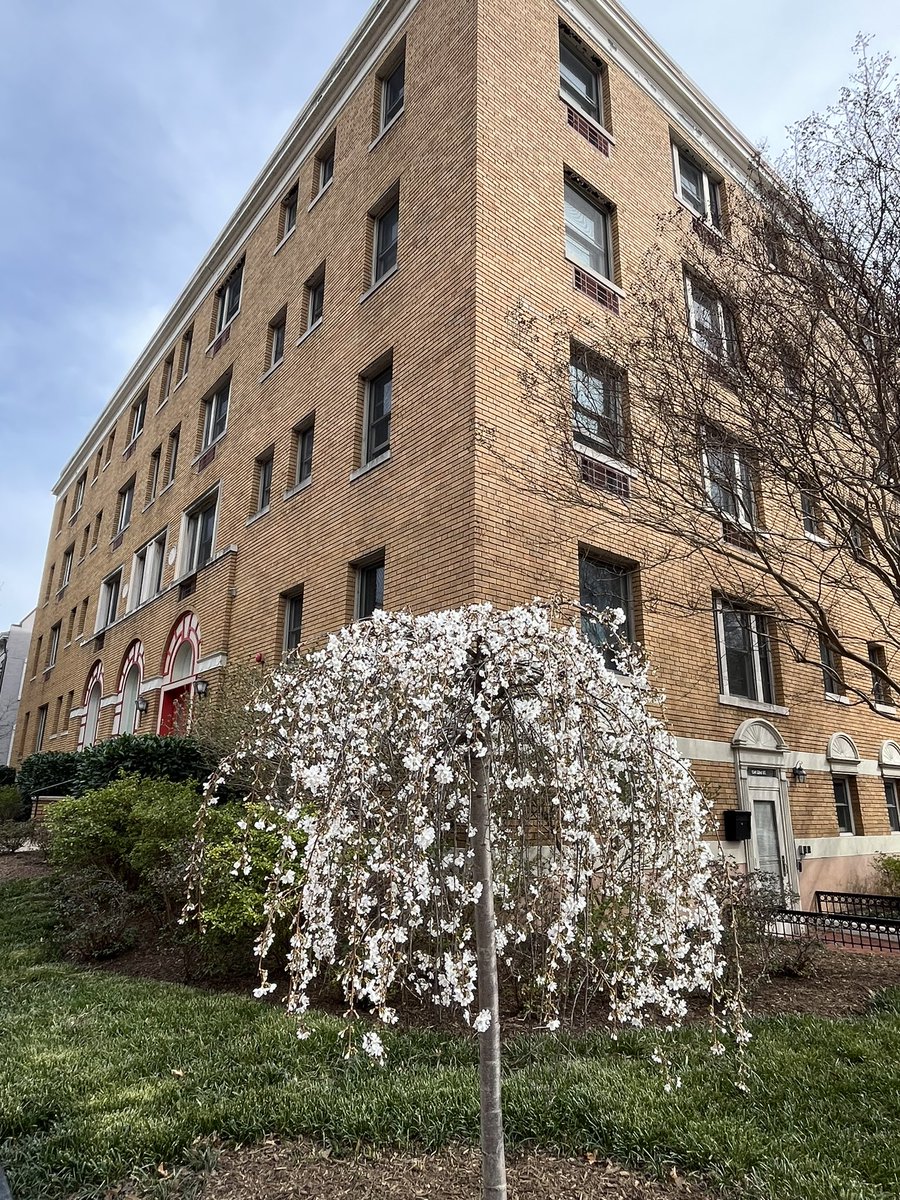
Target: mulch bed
x=24 y=864
x=298 y=1171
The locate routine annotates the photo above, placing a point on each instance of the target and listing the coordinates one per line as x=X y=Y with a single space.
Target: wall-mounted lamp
x=201 y=687
x=141 y=704
x=798 y=775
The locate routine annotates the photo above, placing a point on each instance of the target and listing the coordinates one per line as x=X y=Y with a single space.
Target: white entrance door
x=765 y=797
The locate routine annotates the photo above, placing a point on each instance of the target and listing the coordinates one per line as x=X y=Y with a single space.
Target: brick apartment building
x=331 y=416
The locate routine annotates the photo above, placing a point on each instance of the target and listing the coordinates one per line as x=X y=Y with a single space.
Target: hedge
x=152 y=757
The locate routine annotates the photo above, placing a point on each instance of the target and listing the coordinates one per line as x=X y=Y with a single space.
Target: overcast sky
x=129 y=132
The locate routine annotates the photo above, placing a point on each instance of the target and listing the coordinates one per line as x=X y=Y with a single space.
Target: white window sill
x=289 y=234
x=148 y=505
x=754 y=705
x=129 y=449
x=271 y=370
x=298 y=488
x=254 y=517
x=311 y=329
x=119 y=532
x=322 y=191
x=886 y=710
x=608 y=460
x=379 y=283
x=162 y=404
x=180 y=382
x=588 y=117
x=166 y=488
x=836 y=698
x=814 y=537
x=206 y=450
x=371 y=465
x=699 y=216
x=385 y=130
x=601 y=279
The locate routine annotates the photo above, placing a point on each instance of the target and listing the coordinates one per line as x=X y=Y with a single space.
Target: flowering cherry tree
x=470 y=797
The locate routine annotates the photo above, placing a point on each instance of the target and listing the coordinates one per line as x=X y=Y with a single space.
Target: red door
x=174 y=704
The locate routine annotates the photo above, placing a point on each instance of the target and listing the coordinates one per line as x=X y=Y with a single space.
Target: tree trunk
x=493 y=1154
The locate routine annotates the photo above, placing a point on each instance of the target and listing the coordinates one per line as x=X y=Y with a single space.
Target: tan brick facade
x=464 y=507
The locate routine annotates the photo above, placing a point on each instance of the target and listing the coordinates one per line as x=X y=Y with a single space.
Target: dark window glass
x=264 y=492
x=387 y=229
x=289 y=212
x=893 y=807
x=842 y=805
x=747 y=661
x=393 y=88
x=605 y=586
x=578 y=82
x=316 y=302
x=378 y=415
x=304 y=454
x=370 y=583
x=293 y=622
x=596 y=405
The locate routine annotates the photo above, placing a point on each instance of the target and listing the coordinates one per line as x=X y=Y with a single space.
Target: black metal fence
x=838 y=929
x=857 y=904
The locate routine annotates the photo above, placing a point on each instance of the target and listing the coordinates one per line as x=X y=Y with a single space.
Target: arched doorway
x=179 y=673
x=93 y=695
x=760 y=755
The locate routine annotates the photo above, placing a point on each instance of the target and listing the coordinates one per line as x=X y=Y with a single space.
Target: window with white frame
x=125 y=505
x=710 y=321
x=304 y=452
x=579 y=78
x=377 y=421
x=172 y=456
x=66 y=573
x=597 y=411
x=393 y=93
x=288 y=213
x=588 y=231
x=843 y=804
x=110 y=590
x=369 y=589
x=831 y=667
x=606 y=586
x=138 y=416
x=168 y=374
x=153 y=477
x=745 y=658
x=386 y=234
x=78 y=498
x=41 y=727
x=53 y=648
x=229 y=297
x=881 y=688
x=199 y=533
x=810 y=514
x=264 y=466
x=147 y=571
x=215 y=414
x=277 y=329
x=696 y=187
x=293 y=621
x=324 y=170
x=187 y=342
x=315 y=298
x=729 y=478
x=892 y=801
x=128 y=718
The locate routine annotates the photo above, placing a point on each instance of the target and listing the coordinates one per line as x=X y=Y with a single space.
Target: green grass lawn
x=102 y=1075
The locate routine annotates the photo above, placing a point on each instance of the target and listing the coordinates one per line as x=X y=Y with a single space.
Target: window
x=147 y=571
x=215 y=414
x=729 y=478
x=172 y=456
x=369 y=589
x=82 y=616
x=264 y=466
x=597 y=419
x=745 y=662
x=843 y=804
x=315 y=298
x=893 y=804
x=125 y=503
x=588 y=241
x=66 y=573
x=229 y=298
x=67 y=711
x=78 y=498
x=187 y=341
x=277 y=328
x=288 y=214
x=85 y=541
x=41 y=727
x=53 y=648
x=710 y=321
x=293 y=621
x=393 y=87
x=881 y=690
x=110 y=445
x=831 y=667
x=61 y=519
x=98 y=462
x=604 y=585
x=153 y=478
x=165 y=388
x=36 y=661
x=130 y=691
x=386 y=233
x=696 y=187
x=70 y=628
x=138 y=416
x=200 y=524
x=109 y=600
x=304 y=453
x=810 y=515
x=325 y=167
x=579 y=79
x=56 y=714
x=98 y=525
x=377 y=429
x=50 y=576
x=92 y=716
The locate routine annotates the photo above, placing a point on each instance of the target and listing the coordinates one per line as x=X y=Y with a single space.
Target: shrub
x=14 y=835
x=12 y=806
x=887 y=869
x=94 y=912
x=46 y=770
x=7 y=777
x=152 y=757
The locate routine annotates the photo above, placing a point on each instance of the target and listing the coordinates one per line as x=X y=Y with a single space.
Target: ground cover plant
x=101 y=1076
